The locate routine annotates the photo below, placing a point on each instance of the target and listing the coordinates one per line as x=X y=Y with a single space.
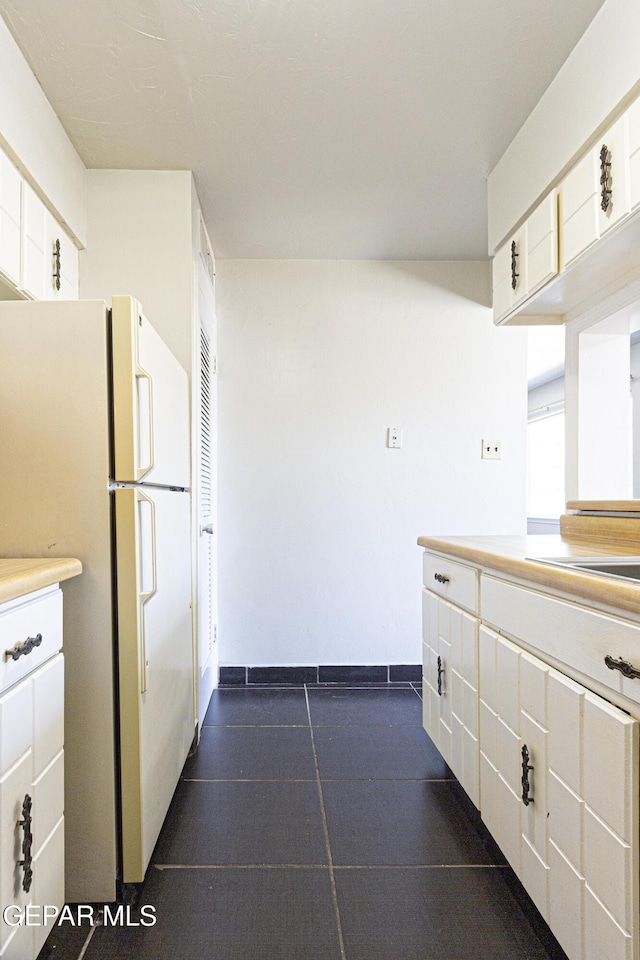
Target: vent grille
x=205 y=425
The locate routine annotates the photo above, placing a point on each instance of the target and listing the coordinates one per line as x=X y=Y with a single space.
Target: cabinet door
x=583 y=219
x=614 y=142
x=451 y=688
x=48 y=883
x=34 y=244
x=593 y=823
x=534 y=853
x=61 y=282
x=510 y=275
x=15 y=787
x=542 y=243
x=633 y=133
x=579 y=208
x=430 y=698
x=48 y=712
x=512 y=716
x=10 y=200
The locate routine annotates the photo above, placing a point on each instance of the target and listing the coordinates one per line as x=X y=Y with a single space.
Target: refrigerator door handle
x=145 y=595
x=142 y=374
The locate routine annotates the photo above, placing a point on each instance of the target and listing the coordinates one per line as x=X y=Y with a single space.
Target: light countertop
x=514 y=555
x=20 y=576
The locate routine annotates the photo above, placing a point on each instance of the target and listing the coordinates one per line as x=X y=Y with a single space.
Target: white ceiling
x=339 y=129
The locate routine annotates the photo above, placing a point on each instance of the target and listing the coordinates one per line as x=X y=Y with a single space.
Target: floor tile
x=363 y=706
x=399 y=822
x=65 y=942
x=254 y=707
x=250 y=823
x=252 y=753
x=420 y=914
x=394 y=752
x=231 y=914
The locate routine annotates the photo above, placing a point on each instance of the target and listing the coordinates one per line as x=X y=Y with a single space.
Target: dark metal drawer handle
x=526 y=786
x=23 y=649
x=27 y=841
x=440 y=577
x=56 y=264
x=625 y=668
x=440 y=674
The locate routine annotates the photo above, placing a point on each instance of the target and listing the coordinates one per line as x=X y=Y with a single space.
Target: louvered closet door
x=206 y=495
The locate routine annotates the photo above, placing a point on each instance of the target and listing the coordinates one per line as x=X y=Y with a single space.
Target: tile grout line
x=322 y=866
x=85 y=946
x=332 y=879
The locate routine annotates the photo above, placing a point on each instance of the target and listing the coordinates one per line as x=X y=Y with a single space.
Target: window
x=545 y=444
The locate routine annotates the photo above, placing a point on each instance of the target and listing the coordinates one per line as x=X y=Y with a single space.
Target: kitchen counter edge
x=515 y=556
x=19 y=576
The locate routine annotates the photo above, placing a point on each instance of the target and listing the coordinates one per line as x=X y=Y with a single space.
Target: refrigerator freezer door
x=150 y=401
x=155 y=662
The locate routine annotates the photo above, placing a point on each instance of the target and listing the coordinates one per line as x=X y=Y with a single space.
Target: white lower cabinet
x=450 y=705
x=553 y=767
x=31 y=779
x=559 y=793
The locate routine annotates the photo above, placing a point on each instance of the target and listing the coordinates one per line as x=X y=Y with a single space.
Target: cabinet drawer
x=27 y=620
x=574 y=635
x=452 y=580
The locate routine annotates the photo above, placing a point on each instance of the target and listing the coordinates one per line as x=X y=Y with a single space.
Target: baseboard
x=295 y=676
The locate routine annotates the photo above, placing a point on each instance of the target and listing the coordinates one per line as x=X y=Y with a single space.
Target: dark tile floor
x=320 y=824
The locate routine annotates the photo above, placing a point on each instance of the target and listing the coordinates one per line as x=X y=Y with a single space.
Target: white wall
x=601 y=72
x=318 y=519
x=140 y=243
x=34 y=138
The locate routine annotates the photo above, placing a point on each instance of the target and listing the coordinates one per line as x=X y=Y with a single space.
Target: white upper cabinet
x=594 y=196
x=633 y=134
x=10 y=198
x=528 y=259
x=34 y=244
x=585 y=257
x=61 y=282
x=542 y=243
x=49 y=256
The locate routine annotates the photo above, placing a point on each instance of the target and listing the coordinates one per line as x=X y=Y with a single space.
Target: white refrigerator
x=95 y=464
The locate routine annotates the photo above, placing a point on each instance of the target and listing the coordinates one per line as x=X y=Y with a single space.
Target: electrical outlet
x=492 y=449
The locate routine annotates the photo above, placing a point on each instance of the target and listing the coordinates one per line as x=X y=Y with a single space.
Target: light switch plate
x=394 y=438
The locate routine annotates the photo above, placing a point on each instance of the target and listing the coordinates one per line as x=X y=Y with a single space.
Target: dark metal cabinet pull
x=27 y=841
x=526 y=786
x=606 y=193
x=632 y=673
x=440 y=577
x=23 y=649
x=440 y=674
x=514 y=257
x=56 y=264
